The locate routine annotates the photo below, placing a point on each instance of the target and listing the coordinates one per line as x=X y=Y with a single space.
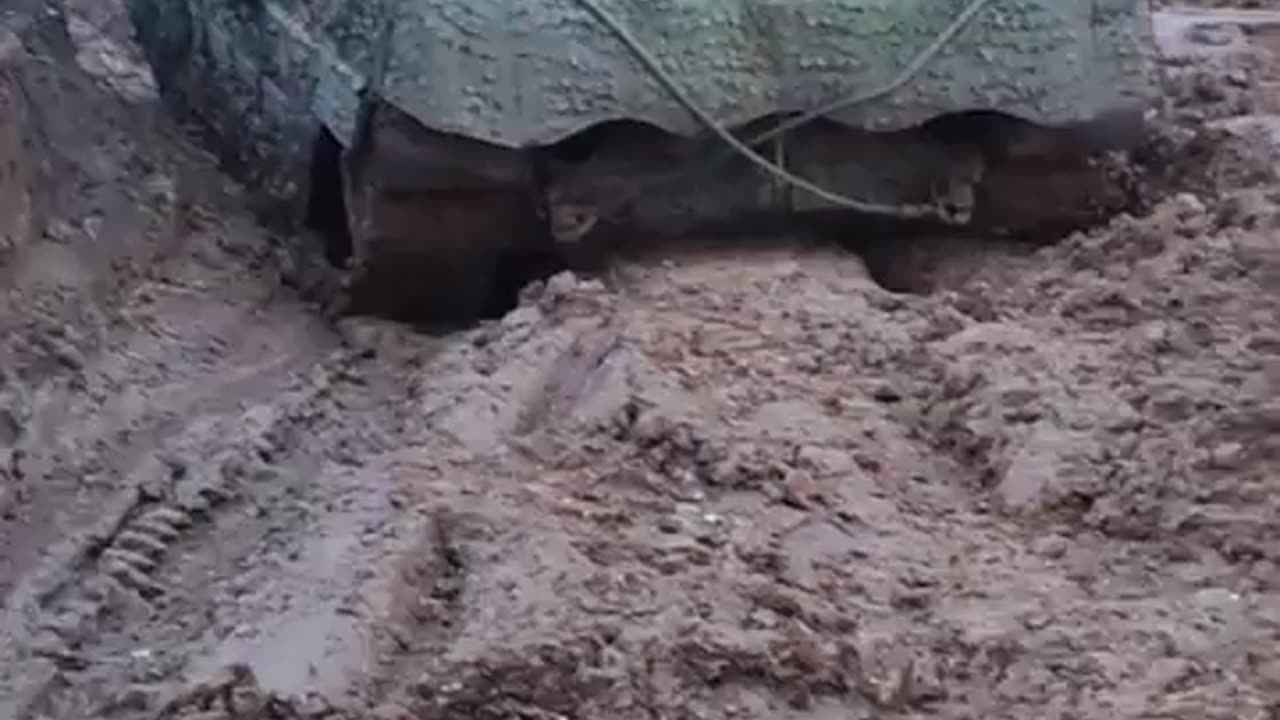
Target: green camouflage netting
x=526 y=72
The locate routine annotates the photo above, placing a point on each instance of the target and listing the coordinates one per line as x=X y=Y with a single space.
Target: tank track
x=446 y=229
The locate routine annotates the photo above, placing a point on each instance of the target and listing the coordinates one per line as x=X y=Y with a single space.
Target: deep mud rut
x=744 y=483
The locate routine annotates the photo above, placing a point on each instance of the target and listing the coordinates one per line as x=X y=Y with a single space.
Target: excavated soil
x=734 y=483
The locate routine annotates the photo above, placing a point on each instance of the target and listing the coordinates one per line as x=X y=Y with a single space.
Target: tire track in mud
x=80 y=433
x=114 y=565
x=118 y=572
x=246 y=434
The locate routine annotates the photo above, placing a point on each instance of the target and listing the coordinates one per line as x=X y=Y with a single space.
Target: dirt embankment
x=731 y=484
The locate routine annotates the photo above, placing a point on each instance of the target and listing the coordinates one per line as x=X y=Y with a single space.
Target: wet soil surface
x=731 y=483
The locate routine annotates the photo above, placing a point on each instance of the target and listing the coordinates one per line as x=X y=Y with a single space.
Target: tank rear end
x=445 y=158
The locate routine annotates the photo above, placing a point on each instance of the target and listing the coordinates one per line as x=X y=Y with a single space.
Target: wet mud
x=737 y=482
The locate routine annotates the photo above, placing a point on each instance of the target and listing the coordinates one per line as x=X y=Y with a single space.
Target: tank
x=436 y=145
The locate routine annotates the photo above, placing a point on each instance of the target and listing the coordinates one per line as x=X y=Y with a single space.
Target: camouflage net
x=777 y=171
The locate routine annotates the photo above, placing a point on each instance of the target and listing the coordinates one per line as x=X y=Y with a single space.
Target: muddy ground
x=737 y=483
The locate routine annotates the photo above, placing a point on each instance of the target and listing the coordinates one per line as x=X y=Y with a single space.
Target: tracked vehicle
x=435 y=142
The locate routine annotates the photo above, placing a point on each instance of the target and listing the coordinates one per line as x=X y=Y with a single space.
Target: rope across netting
x=778 y=172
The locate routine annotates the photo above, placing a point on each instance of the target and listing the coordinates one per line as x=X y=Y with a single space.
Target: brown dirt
x=729 y=484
